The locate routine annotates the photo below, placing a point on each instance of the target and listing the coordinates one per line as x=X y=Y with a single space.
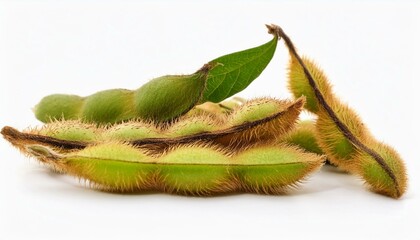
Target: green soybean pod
x=341 y=133
x=260 y=120
x=303 y=135
x=195 y=169
x=161 y=99
x=194 y=125
x=131 y=130
x=248 y=125
x=112 y=166
x=272 y=169
x=72 y=130
x=59 y=106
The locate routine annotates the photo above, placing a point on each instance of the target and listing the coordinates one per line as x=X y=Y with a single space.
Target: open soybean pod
x=340 y=132
x=258 y=121
x=196 y=169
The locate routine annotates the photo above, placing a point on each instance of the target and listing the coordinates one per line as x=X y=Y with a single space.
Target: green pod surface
x=129 y=131
x=160 y=100
x=261 y=120
x=109 y=106
x=110 y=167
x=197 y=169
x=340 y=132
x=58 y=106
x=193 y=125
x=255 y=127
x=255 y=110
x=339 y=148
x=72 y=131
x=271 y=169
x=303 y=136
x=300 y=87
x=167 y=97
x=388 y=179
x=126 y=169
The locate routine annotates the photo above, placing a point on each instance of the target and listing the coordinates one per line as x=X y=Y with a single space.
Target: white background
x=370 y=50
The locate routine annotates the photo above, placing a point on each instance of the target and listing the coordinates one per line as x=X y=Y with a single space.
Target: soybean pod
x=196 y=169
x=161 y=99
x=257 y=121
x=340 y=132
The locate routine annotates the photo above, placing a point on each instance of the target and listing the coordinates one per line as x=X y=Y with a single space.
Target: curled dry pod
x=255 y=122
x=196 y=169
x=158 y=100
x=340 y=132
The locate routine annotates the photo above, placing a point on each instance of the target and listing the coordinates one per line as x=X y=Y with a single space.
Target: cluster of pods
x=201 y=143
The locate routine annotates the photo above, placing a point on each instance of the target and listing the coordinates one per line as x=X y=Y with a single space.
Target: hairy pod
x=73 y=130
x=300 y=87
x=158 y=100
x=245 y=126
x=197 y=169
x=261 y=120
x=303 y=135
x=131 y=130
x=194 y=125
x=340 y=132
x=272 y=169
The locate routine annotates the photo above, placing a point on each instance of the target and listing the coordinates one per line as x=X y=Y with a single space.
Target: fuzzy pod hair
x=256 y=121
x=195 y=169
x=303 y=135
x=340 y=132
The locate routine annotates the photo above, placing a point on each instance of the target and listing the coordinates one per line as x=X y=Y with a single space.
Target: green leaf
x=234 y=72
